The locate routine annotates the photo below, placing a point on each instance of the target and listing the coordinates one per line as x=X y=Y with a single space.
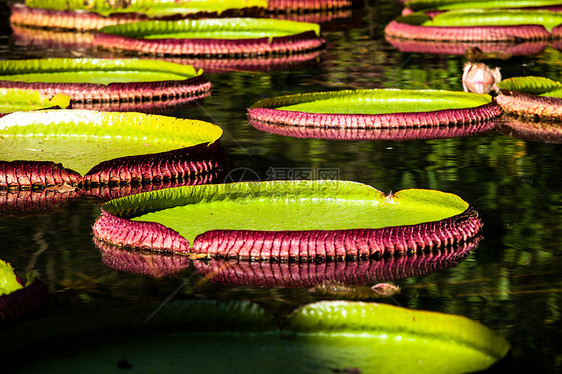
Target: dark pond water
x=512 y=282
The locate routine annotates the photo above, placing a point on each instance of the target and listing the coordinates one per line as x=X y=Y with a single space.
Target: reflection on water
x=511 y=283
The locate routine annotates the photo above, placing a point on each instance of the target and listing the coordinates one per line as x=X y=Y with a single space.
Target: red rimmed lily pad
x=477 y=25
x=224 y=37
x=535 y=97
x=124 y=147
x=20 y=296
x=287 y=221
x=374 y=114
x=109 y=84
x=444 y=5
x=83 y=16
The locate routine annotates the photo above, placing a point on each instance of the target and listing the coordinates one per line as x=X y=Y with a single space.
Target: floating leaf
x=374 y=109
x=109 y=84
x=80 y=139
x=241 y=37
x=14 y=99
x=417 y=5
x=468 y=18
x=387 y=339
x=477 y=26
x=287 y=220
x=320 y=337
x=531 y=97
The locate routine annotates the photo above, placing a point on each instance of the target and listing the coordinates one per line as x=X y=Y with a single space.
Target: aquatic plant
x=375 y=114
x=287 y=221
x=108 y=84
x=123 y=147
x=477 y=25
x=16 y=99
x=327 y=336
x=531 y=97
x=224 y=37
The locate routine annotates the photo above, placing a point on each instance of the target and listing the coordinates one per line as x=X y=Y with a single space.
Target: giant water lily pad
x=319 y=337
x=531 y=97
x=287 y=220
x=477 y=25
x=108 y=84
x=339 y=114
x=151 y=8
x=418 y=5
x=106 y=147
x=241 y=37
x=14 y=99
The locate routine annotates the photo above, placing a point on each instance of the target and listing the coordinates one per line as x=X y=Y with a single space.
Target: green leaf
x=148 y=7
x=15 y=99
x=285 y=206
x=376 y=101
x=325 y=337
x=216 y=28
x=533 y=85
x=80 y=139
x=94 y=70
x=379 y=338
x=417 y=5
x=8 y=279
x=470 y=18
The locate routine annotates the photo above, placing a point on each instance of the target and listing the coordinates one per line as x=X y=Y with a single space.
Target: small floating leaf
x=8 y=279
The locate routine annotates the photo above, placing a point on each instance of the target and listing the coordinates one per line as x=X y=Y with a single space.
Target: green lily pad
x=322 y=337
x=148 y=7
x=417 y=5
x=220 y=28
x=14 y=99
x=471 y=18
x=288 y=221
x=379 y=338
x=286 y=206
x=533 y=85
x=376 y=101
x=80 y=139
x=94 y=70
